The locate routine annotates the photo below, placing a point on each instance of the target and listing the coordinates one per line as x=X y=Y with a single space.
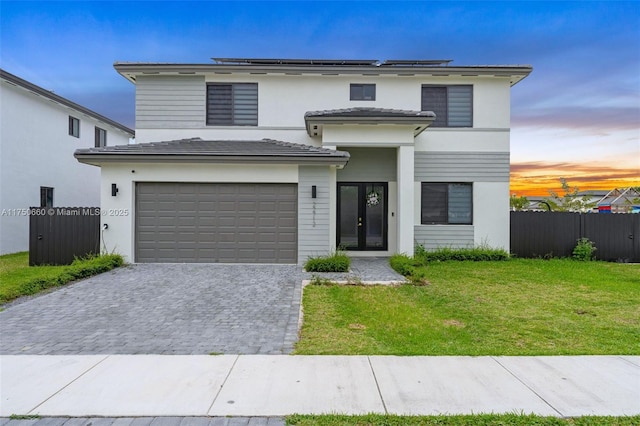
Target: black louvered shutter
x=434 y=98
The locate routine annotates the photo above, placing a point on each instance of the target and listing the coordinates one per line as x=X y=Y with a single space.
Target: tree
x=570 y=201
x=518 y=203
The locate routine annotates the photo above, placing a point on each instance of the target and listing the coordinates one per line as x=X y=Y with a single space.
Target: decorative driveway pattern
x=161 y=309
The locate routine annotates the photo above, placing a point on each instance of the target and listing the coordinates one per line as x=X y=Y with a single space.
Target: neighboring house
x=260 y=160
x=620 y=200
x=39 y=132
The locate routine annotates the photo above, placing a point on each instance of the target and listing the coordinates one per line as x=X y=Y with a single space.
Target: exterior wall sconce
x=114 y=189
x=314 y=191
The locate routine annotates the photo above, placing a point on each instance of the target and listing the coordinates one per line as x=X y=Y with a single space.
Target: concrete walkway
x=277 y=385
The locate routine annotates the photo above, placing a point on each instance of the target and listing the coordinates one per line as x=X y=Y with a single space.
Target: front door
x=362 y=216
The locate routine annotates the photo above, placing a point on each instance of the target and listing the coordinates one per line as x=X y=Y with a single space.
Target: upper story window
x=101 y=137
x=447 y=203
x=453 y=105
x=46 y=196
x=362 y=92
x=74 y=127
x=234 y=104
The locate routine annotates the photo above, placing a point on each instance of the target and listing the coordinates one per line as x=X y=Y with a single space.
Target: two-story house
x=265 y=160
x=39 y=132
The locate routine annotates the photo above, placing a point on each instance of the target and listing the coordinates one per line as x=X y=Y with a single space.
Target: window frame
x=447 y=206
x=74 y=126
x=233 y=121
x=46 y=196
x=361 y=91
x=98 y=140
x=437 y=123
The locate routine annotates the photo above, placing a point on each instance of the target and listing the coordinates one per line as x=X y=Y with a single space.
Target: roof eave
x=98 y=159
x=421 y=122
x=130 y=69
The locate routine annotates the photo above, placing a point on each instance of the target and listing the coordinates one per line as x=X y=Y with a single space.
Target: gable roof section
x=17 y=81
x=420 y=120
x=221 y=151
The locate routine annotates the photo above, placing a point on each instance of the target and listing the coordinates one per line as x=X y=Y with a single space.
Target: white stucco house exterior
x=39 y=132
x=276 y=160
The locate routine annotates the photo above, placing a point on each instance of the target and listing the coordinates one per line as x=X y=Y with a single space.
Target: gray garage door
x=200 y=222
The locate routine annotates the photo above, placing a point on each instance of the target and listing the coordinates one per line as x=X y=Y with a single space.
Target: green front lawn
x=516 y=307
x=479 y=420
x=17 y=278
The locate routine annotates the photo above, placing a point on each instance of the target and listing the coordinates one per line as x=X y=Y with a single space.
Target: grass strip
x=462 y=420
x=18 y=279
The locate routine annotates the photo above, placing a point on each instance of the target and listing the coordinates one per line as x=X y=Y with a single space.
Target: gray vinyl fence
x=554 y=234
x=57 y=235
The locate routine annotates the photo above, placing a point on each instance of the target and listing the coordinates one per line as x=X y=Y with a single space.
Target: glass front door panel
x=362 y=216
x=348 y=216
x=375 y=209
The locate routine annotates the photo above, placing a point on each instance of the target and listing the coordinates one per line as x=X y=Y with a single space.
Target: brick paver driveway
x=161 y=309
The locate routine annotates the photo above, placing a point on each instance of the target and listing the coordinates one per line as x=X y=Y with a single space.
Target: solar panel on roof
x=330 y=62
x=417 y=62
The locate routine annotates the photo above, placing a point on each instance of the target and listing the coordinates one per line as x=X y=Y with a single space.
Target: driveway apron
x=161 y=309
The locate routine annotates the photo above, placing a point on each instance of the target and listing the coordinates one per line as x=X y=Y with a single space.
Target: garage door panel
x=196 y=222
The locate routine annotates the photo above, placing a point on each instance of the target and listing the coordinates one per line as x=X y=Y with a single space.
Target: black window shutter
x=434 y=203
x=435 y=98
x=219 y=104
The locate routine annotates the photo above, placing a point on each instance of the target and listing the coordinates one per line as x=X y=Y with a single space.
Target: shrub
x=403 y=264
x=584 y=250
x=80 y=268
x=409 y=267
x=334 y=262
x=476 y=254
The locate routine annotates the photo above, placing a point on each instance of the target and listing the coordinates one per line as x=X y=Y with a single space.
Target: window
x=74 y=127
x=447 y=203
x=232 y=104
x=453 y=105
x=46 y=196
x=362 y=92
x=101 y=137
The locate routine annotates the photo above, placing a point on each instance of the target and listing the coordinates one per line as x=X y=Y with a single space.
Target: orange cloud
x=538 y=178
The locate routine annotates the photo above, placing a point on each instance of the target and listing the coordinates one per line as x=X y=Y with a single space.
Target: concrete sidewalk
x=277 y=385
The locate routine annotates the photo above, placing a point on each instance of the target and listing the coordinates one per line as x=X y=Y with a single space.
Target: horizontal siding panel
x=441 y=236
x=313 y=229
x=174 y=112
x=170 y=101
x=461 y=167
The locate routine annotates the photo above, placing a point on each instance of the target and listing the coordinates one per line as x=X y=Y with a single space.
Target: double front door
x=362 y=216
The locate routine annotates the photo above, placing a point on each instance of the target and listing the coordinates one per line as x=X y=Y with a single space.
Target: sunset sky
x=576 y=116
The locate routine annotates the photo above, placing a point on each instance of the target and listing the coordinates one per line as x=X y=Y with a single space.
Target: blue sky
x=577 y=115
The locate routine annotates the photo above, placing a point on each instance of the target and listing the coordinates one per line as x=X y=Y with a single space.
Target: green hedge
x=334 y=262
x=57 y=276
x=476 y=254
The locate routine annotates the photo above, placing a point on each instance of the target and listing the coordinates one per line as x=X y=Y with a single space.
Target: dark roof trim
x=418 y=120
x=129 y=70
x=63 y=101
x=258 y=61
x=221 y=151
x=334 y=62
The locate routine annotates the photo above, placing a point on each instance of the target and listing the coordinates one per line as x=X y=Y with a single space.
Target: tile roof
x=197 y=148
